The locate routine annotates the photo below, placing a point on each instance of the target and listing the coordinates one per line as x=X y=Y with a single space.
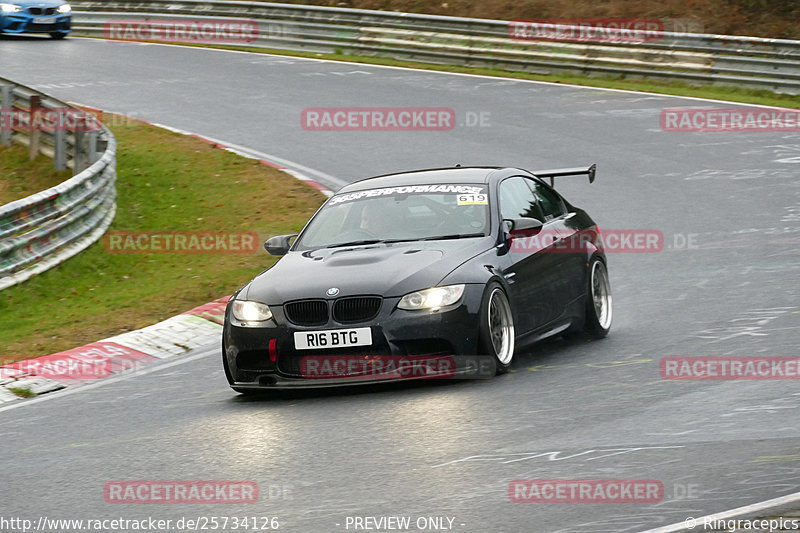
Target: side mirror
x=517 y=227
x=523 y=224
x=279 y=245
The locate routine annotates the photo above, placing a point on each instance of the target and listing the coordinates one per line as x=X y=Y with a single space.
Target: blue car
x=36 y=16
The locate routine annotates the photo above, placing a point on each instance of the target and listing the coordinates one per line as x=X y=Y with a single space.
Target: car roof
x=423 y=177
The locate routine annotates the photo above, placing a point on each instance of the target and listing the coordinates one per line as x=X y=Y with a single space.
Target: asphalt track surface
x=569 y=410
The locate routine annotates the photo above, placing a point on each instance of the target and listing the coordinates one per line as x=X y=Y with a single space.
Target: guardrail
x=692 y=57
x=47 y=228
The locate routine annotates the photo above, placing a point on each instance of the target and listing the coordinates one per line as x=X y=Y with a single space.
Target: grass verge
x=166 y=182
x=21 y=177
x=22 y=392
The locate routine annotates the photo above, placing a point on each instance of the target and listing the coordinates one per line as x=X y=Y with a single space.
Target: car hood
x=389 y=270
x=36 y=3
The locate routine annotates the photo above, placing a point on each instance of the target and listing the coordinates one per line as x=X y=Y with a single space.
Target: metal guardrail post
x=60 y=149
x=34 y=109
x=92 y=155
x=5 y=122
x=79 y=158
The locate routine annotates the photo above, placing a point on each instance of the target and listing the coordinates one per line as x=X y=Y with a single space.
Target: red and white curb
x=122 y=354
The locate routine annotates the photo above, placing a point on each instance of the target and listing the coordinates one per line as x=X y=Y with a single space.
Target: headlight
x=64 y=8
x=247 y=311
x=432 y=298
x=10 y=8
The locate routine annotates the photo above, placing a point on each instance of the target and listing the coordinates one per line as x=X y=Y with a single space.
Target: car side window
x=517 y=200
x=549 y=201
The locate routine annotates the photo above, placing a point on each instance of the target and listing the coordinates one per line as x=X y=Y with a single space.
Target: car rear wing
x=558 y=172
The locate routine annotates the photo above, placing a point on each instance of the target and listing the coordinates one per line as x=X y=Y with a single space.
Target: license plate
x=332 y=338
x=43 y=20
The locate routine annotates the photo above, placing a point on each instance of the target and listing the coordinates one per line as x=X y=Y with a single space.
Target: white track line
x=297 y=170
x=255 y=154
x=696 y=524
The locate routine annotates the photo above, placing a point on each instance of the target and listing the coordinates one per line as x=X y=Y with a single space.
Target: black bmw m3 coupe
x=441 y=273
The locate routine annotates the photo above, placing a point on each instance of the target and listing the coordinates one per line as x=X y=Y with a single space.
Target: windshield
x=408 y=213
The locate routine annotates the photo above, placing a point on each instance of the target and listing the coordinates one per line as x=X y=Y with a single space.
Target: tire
x=58 y=35
x=496 y=329
x=598 y=300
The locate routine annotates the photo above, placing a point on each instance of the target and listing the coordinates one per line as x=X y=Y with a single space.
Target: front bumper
x=24 y=22
x=448 y=337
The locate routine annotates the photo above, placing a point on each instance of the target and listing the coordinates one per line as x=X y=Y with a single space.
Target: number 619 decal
x=473 y=199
